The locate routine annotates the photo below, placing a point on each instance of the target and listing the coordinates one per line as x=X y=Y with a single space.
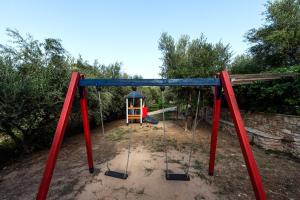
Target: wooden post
x=127 y=111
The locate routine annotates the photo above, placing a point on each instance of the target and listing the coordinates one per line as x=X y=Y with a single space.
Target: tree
x=188 y=58
x=32 y=80
x=244 y=64
x=192 y=58
x=275 y=48
x=277 y=42
x=34 y=77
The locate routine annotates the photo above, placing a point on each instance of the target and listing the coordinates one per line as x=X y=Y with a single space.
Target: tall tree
x=192 y=58
x=34 y=76
x=188 y=58
x=277 y=42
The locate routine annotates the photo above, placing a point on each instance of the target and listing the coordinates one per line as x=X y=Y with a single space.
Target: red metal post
x=58 y=137
x=242 y=135
x=86 y=126
x=215 y=127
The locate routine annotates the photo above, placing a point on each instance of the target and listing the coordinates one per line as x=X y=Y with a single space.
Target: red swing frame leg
x=242 y=136
x=59 y=134
x=86 y=126
x=215 y=127
x=58 y=137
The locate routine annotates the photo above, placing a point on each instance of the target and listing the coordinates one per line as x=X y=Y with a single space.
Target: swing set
x=221 y=84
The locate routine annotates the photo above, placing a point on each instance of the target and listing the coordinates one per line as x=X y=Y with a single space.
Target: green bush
x=278 y=96
x=34 y=77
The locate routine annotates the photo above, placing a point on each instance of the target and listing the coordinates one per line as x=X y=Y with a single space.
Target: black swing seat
x=115 y=174
x=177 y=177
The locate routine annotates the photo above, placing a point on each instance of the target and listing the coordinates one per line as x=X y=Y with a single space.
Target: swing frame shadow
x=219 y=83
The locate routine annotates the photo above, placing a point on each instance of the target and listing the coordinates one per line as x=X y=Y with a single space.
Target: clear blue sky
x=128 y=31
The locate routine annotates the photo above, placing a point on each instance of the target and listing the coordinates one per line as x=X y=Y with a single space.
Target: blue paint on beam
x=151 y=82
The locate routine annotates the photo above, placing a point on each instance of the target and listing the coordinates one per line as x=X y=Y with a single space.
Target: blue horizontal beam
x=151 y=82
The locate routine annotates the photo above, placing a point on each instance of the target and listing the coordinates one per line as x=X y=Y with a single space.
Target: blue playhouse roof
x=134 y=94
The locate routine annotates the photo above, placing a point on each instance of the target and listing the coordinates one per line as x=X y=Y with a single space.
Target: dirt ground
x=71 y=179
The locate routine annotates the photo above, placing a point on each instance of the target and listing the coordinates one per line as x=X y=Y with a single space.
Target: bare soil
x=71 y=179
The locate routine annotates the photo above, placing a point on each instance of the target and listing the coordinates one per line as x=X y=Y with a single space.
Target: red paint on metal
x=58 y=137
x=215 y=127
x=86 y=127
x=242 y=135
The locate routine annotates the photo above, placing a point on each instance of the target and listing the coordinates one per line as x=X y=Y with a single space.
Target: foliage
x=289 y=69
x=34 y=76
x=277 y=42
x=276 y=49
x=278 y=96
x=190 y=59
x=31 y=94
x=153 y=96
x=244 y=64
x=118 y=134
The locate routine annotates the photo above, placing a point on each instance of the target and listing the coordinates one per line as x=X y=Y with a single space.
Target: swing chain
x=129 y=145
x=101 y=117
x=193 y=133
x=100 y=107
x=164 y=130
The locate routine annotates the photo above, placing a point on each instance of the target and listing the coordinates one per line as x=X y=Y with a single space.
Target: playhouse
x=136 y=110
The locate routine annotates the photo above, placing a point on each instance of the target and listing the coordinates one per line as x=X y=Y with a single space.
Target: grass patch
x=172 y=143
x=118 y=134
x=158 y=145
x=188 y=145
x=198 y=165
x=174 y=161
x=201 y=170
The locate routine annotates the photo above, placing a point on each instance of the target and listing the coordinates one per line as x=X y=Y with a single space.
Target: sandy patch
x=146 y=180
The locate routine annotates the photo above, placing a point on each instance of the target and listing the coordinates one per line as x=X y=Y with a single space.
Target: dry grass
x=118 y=134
